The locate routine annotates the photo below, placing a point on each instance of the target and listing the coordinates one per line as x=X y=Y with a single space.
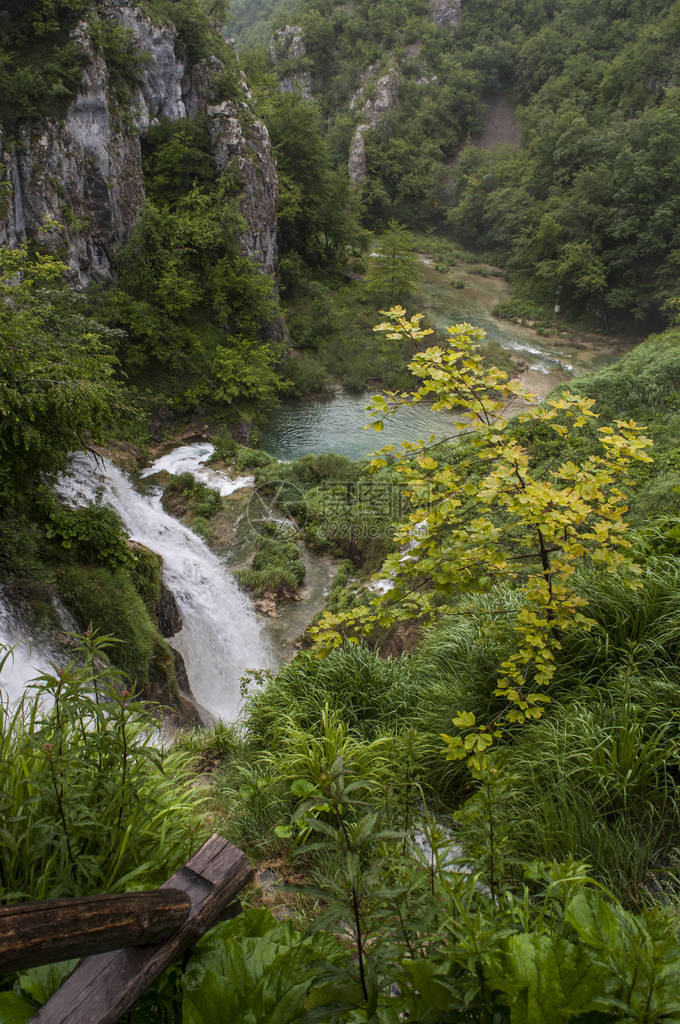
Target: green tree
x=394 y=273
x=487 y=517
x=194 y=309
x=57 y=369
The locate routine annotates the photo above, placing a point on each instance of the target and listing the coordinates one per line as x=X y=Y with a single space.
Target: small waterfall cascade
x=192 y=458
x=221 y=637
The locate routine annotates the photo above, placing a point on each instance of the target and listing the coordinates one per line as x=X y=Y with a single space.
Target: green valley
x=426 y=676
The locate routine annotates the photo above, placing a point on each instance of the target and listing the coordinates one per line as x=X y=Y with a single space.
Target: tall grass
x=595 y=779
x=598 y=781
x=88 y=802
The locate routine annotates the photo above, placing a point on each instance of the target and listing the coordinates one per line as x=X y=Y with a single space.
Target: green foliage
x=194 y=309
x=643 y=384
x=56 y=371
x=314 y=214
x=340 y=508
x=125 y=62
x=487 y=515
x=257 y=969
x=276 y=566
x=146 y=573
x=307 y=374
x=175 y=159
x=195 y=20
x=202 y=500
x=40 y=64
x=394 y=274
x=106 y=600
x=88 y=801
x=447 y=926
x=93 y=534
x=587 y=204
x=250 y=458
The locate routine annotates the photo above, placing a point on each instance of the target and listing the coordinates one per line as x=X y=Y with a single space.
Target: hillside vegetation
x=588 y=202
x=465 y=783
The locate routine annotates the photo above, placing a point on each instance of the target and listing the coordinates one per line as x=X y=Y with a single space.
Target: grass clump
x=276 y=567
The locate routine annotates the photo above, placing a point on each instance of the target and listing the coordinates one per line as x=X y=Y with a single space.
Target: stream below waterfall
x=335 y=423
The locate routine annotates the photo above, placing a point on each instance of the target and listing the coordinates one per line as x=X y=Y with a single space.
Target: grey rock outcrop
x=288 y=44
x=251 y=150
x=77 y=184
x=446 y=13
x=168 y=613
x=384 y=98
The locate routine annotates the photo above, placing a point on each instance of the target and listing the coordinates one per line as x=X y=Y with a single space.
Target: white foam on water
x=29 y=659
x=192 y=458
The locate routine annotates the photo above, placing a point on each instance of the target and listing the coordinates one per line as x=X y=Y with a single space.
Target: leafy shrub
x=93 y=534
x=176 y=158
x=251 y=458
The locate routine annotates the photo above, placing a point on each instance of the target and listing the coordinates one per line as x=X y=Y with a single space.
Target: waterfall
x=221 y=637
x=30 y=658
x=191 y=458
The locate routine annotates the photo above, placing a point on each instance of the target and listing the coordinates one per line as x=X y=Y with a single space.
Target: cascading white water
x=192 y=458
x=221 y=637
x=29 y=659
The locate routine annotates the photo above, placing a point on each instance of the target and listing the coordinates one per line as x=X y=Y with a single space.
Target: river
x=336 y=423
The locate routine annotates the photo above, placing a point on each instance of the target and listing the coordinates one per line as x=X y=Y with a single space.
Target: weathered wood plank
x=50 y=930
x=103 y=987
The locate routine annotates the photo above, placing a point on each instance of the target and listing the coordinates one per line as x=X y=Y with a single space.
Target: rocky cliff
x=77 y=183
x=288 y=49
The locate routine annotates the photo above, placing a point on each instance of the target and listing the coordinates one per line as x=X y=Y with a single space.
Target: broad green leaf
x=15 y=1009
x=547 y=979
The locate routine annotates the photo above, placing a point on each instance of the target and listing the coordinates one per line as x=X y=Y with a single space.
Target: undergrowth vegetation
x=89 y=801
x=276 y=565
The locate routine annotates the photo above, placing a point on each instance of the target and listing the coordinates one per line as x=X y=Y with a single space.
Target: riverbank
x=543 y=358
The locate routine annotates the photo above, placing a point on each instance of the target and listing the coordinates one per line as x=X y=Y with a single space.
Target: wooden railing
x=127 y=940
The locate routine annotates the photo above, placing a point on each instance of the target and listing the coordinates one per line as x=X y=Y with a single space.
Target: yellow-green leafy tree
x=486 y=517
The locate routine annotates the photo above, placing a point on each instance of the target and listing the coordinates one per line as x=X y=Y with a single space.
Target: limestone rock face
x=77 y=184
x=446 y=13
x=288 y=44
x=250 y=149
x=384 y=98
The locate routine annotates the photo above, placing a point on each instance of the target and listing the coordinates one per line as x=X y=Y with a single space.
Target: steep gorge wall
x=77 y=184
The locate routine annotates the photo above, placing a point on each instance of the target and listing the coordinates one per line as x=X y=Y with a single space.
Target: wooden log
x=103 y=987
x=50 y=930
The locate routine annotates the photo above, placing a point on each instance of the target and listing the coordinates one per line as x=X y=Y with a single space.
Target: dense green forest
x=588 y=202
x=466 y=780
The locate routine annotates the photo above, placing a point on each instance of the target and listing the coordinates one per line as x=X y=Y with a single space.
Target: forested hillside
x=587 y=203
